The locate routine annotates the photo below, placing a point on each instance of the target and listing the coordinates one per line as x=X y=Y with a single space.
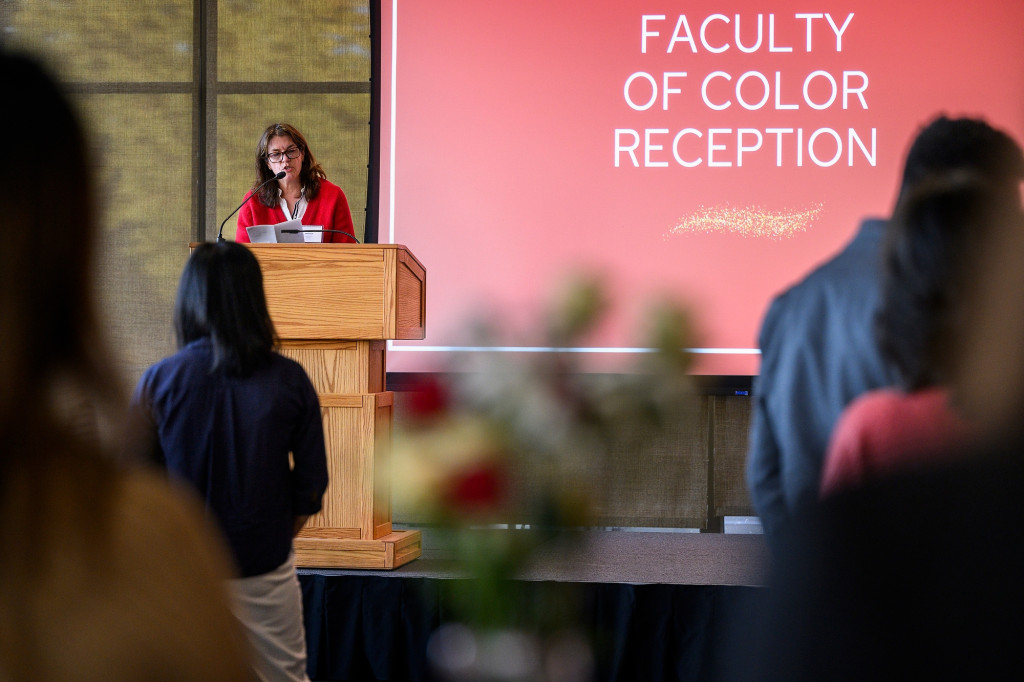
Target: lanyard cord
x=295 y=208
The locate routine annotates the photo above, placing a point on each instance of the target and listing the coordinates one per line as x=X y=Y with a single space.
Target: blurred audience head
x=984 y=350
x=221 y=297
x=969 y=144
x=930 y=260
x=49 y=335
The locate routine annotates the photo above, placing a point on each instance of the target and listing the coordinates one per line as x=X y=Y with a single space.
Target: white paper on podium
x=261 y=234
x=314 y=237
x=273 y=234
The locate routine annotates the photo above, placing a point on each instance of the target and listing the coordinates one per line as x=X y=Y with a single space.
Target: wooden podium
x=333 y=306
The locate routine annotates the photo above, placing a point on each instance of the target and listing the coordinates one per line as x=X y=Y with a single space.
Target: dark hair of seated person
x=220 y=296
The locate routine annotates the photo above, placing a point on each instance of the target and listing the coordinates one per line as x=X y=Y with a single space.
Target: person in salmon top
x=929 y=259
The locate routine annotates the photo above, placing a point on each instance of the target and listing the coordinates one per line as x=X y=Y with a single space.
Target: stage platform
x=615 y=556
x=665 y=605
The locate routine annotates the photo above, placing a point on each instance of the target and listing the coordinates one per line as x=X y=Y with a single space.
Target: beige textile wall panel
x=664 y=485
x=140 y=258
x=731 y=420
x=129 y=66
x=116 y=41
x=298 y=40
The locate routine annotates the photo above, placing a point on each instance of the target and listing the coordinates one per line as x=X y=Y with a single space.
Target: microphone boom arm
x=347 y=234
x=220 y=232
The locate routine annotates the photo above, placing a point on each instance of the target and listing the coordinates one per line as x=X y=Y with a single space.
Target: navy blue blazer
x=818 y=352
x=230 y=438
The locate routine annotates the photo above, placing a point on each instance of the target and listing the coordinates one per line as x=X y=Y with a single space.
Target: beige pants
x=270 y=609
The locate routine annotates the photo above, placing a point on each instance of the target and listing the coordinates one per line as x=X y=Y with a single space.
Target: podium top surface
x=313 y=245
x=322 y=292
x=341 y=247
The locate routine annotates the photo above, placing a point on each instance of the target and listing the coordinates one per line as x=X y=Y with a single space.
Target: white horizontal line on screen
x=549 y=349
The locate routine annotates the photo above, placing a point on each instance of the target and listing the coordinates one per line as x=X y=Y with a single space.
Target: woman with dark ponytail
x=241 y=424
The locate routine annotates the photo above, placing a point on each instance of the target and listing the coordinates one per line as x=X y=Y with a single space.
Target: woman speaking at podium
x=303 y=193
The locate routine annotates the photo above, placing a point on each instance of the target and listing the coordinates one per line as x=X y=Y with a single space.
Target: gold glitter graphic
x=751 y=221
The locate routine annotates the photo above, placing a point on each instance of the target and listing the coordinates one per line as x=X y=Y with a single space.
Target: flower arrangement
x=506 y=450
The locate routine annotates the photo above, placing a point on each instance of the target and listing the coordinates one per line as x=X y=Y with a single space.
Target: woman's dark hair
x=310 y=174
x=936 y=237
x=220 y=296
x=949 y=145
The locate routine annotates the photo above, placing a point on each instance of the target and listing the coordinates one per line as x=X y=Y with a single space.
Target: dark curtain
x=377 y=628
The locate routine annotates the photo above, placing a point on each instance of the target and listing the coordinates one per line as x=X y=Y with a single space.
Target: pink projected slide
x=713 y=150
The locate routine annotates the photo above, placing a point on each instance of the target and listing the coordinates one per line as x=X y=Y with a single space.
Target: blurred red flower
x=477 y=489
x=427 y=399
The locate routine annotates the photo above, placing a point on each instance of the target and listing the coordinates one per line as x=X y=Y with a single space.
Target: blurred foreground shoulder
x=178 y=562
x=117 y=576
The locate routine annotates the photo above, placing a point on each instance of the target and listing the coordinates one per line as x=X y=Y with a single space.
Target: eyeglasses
x=291 y=153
